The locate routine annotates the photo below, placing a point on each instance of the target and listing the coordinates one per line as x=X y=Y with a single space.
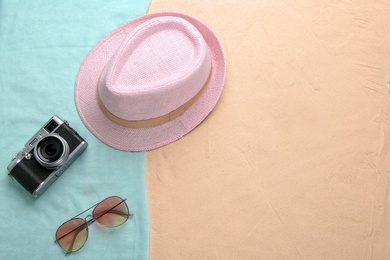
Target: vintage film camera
x=46 y=156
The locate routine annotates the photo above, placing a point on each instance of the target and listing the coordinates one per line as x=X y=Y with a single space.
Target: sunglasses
x=110 y=212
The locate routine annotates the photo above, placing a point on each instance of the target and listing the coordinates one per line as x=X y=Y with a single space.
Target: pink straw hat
x=150 y=81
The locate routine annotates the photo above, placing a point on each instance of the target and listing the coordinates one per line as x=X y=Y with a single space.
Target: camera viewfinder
x=51 y=126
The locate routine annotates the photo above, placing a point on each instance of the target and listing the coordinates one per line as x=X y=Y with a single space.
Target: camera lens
x=52 y=151
x=51 y=148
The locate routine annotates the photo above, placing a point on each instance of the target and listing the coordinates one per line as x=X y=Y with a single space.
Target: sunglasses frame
x=90 y=221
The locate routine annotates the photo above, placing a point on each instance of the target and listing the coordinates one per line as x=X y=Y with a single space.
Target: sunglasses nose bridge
x=89 y=220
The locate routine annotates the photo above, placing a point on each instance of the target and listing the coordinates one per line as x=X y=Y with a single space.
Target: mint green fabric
x=42 y=45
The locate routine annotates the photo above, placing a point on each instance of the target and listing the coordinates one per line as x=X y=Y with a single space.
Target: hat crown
x=159 y=67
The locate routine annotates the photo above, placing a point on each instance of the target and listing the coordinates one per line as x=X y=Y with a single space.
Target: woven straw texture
x=139 y=139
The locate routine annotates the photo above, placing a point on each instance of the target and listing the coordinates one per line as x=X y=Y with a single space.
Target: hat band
x=153 y=121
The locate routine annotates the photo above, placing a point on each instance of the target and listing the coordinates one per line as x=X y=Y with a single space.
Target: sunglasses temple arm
x=90 y=221
x=112 y=211
x=95 y=206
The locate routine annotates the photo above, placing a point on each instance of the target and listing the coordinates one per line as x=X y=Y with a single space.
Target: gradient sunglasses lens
x=111 y=212
x=72 y=235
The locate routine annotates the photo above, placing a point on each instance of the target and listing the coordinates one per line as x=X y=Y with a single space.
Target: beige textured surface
x=294 y=161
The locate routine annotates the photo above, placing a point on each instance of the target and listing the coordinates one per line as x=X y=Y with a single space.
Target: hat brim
x=143 y=139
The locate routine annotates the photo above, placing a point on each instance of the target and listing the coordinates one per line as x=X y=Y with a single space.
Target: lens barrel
x=52 y=151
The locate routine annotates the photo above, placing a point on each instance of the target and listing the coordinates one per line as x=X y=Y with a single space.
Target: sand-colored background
x=294 y=161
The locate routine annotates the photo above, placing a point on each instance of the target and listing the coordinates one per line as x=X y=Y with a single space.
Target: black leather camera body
x=46 y=156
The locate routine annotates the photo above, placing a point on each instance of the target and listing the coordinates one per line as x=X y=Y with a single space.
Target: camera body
x=46 y=156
